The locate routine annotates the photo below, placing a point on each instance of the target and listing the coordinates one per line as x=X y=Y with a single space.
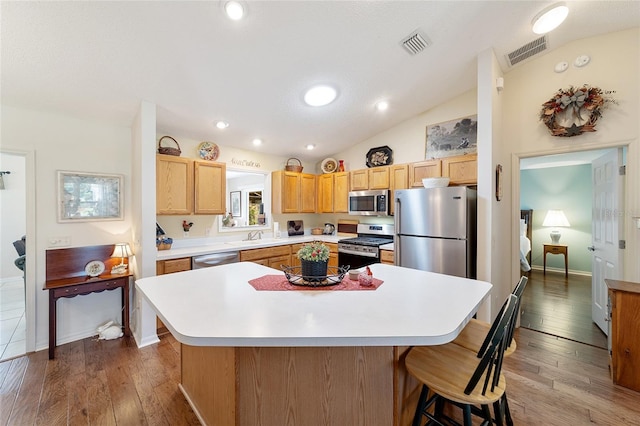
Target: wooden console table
x=66 y=278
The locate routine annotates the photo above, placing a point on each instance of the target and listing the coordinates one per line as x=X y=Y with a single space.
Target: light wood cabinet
x=387 y=256
x=422 y=170
x=333 y=254
x=170 y=266
x=210 y=187
x=174 y=185
x=293 y=192
x=373 y=178
x=268 y=256
x=461 y=170
x=333 y=193
x=398 y=179
x=624 y=335
x=187 y=186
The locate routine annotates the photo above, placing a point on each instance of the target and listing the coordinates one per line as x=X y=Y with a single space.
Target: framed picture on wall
x=235 y=203
x=449 y=138
x=84 y=197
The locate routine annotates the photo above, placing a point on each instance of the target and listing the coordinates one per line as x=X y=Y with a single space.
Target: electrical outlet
x=59 y=241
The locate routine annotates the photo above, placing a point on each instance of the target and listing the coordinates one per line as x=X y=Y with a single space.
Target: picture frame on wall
x=86 y=197
x=450 y=138
x=235 y=203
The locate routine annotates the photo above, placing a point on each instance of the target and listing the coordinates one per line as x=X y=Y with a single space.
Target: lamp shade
x=555 y=218
x=122 y=250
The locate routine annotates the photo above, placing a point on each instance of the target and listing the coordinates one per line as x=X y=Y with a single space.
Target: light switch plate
x=59 y=241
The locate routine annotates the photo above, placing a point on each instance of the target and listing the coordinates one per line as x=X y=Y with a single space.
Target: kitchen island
x=308 y=356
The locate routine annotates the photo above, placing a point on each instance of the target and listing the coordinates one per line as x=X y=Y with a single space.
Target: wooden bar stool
x=475 y=332
x=459 y=376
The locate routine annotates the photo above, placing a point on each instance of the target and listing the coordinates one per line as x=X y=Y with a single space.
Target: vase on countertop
x=314 y=271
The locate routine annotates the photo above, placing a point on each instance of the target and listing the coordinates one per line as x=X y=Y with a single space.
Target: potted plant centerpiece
x=314 y=258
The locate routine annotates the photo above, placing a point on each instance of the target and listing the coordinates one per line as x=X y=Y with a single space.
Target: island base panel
x=292 y=386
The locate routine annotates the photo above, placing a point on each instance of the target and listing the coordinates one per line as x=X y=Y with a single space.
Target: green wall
x=565 y=188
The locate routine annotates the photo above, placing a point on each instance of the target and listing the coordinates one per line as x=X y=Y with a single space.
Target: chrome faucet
x=253 y=234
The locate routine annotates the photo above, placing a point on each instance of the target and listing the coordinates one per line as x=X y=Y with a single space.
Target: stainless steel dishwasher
x=214 y=259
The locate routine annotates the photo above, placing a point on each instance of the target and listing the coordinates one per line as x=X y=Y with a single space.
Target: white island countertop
x=218 y=307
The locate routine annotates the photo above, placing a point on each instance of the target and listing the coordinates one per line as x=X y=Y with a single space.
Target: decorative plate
x=380 y=156
x=208 y=151
x=94 y=268
x=329 y=165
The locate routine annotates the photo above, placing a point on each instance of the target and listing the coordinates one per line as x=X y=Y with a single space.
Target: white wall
x=13 y=224
x=615 y=65
x=66 y=143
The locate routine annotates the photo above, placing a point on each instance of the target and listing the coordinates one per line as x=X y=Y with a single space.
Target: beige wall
x=64 y=143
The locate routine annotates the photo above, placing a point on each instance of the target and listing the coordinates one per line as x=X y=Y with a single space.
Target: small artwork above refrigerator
x=435 y=230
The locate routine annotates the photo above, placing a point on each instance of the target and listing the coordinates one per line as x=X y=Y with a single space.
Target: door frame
x=31 y=252
x=515 y=193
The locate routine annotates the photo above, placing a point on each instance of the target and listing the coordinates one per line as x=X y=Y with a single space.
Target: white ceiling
x=98 y=60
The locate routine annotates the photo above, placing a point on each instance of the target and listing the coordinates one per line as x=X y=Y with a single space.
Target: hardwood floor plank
x=99 y=404
x=11 y=386
x=23 y=411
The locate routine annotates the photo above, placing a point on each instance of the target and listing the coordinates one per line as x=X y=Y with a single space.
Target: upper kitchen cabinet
x=186 y=186
x=422 y=170
x=461 y=170
x=174 y=185
x=210 y=187
x=333 y=193
x=374 y=178
x=398 y=179
x=293 y=192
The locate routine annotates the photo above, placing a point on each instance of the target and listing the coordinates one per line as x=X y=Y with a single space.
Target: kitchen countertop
x=218 y=307
x=220 y=247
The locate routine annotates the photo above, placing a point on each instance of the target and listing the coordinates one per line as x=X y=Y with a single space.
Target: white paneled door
x=606 y=256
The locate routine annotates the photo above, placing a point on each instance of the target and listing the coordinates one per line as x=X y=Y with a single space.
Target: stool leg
x=499 y=413
x=466 y=413
x=507 y=412
x=421 y=403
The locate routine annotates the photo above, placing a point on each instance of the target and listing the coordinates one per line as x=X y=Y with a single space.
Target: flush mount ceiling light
x=320 y=95
x=549 y=18
x=222 y=125
x=257 y=142
x=234 y=10
x=310 y=146
x=382 y=106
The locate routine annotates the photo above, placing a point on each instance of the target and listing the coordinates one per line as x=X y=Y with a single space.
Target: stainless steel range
x=364 y=249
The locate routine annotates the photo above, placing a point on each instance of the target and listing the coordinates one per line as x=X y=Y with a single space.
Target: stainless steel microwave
x=369 y=203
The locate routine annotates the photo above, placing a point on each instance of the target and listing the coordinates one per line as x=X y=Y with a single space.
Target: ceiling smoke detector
x=528 y=50
x=415 y=42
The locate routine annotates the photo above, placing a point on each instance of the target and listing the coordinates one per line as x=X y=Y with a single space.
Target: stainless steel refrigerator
x=435 y=230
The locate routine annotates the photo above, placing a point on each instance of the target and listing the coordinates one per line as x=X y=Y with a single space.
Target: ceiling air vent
x=415 y=42
x=528 y=50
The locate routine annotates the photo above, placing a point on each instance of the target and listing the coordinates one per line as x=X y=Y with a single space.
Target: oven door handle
x=357 y=253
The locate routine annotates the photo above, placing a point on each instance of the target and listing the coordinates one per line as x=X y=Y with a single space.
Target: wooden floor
x=550 y=381
x=561 y=307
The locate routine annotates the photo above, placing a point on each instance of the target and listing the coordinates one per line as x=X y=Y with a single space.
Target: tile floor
x=12 y=320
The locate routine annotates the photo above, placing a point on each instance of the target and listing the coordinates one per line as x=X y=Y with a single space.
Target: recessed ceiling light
x=320 y=95
x=257 y=142
x=222 y=124
x=234 y=10
x=310 y=146
x=549 y=18
x=382 y=106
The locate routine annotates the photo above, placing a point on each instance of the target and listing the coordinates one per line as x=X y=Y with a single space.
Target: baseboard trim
x=561 y=270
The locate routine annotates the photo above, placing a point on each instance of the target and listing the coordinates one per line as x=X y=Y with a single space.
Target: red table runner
x=279 y=283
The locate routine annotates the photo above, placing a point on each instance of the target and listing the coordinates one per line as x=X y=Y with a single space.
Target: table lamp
x=555 y=219
x=121 y=250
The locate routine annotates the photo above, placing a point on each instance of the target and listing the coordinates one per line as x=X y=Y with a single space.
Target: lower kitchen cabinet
x=273 y=257
x=386 y=256
x=170 y=266
x=624 y=335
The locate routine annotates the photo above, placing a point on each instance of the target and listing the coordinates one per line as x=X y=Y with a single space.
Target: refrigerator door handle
x=396 y=237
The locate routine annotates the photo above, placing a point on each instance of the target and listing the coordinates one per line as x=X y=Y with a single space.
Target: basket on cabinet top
x=169 y=150
x=293 y=168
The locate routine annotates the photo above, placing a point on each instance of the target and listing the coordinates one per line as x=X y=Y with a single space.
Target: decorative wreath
x=574 y=111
